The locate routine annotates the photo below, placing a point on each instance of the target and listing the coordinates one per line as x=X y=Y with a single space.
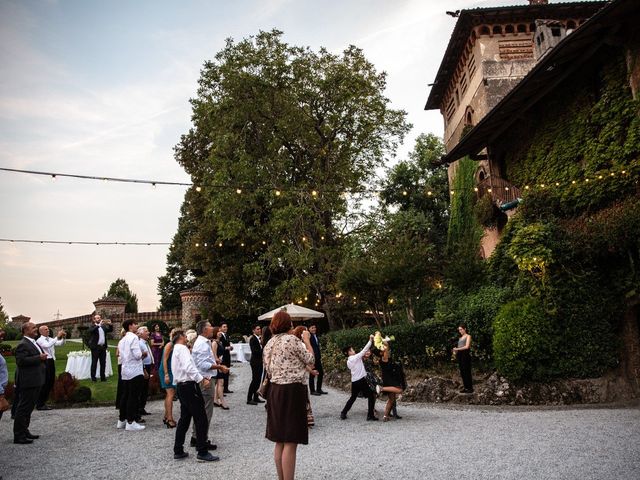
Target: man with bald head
x=48 y=346
x=30 y=374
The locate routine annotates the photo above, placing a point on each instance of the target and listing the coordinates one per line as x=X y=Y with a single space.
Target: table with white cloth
x=79 y=366
x=241 y=352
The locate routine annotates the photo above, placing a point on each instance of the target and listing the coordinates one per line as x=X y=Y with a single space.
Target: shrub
x=11 y=333
x=64 y=387
x=524 y=341
x=82 y=394
x=5 y=348
x=477 y=309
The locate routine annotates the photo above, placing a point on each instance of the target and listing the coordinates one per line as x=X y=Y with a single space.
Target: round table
x=80 y=366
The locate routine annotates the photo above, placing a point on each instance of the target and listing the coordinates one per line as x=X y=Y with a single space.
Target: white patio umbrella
x=296 y=312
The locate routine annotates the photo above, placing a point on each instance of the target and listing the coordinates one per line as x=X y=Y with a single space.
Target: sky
x=103 y=88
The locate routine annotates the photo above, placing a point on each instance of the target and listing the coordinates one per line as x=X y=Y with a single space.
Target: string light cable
x=61 y=242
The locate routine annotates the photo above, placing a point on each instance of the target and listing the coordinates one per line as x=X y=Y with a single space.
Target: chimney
x=538 y=2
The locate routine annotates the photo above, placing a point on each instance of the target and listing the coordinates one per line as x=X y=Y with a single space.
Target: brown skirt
x=287 y=413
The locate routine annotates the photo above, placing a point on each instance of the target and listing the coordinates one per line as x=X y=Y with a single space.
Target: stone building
x=17 y=321
x=572 y=120
x=490 y=51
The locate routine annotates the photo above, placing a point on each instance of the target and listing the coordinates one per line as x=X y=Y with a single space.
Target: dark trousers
x=357 y=387
x=119 y=388
x=28 y=398
x=144 y=391
x=16 y=399
x=130 y=398
x=256 y=378
x=226 y=363
x=191 y=406
x=315 y=383
x=50 y=377
x=464 y=363
x=98 y=353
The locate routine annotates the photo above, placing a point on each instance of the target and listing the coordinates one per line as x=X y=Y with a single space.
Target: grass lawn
x=101 y=392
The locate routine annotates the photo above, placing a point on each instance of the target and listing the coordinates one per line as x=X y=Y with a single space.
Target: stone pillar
x=194 y=302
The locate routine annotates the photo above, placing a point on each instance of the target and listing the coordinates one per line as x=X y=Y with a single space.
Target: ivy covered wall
x=570 y=257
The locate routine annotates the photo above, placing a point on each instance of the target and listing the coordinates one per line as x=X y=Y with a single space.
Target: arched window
x=571 y=25
x=497 y=30
x=522 y=28
x=468 y=116
x=509 y=29
x=484 y=30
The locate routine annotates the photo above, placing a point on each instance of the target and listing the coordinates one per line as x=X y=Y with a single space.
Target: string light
x=239 y=191
x=278 y=193
x=72 y=242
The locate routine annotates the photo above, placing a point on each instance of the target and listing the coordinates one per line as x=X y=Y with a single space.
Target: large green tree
x=4 y=318
x=120 y=288
x=282 y=138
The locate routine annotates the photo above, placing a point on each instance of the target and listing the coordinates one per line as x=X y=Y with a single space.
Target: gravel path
x=430 y=442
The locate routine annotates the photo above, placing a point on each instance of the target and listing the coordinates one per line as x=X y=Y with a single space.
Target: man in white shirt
x=147 y=365
x=192 y=404
x=132 y=377
x=206 y=364
x=358 y=380
x=48 y=346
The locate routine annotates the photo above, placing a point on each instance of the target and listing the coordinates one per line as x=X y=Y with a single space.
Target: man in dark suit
x=315 y=383
x=226 y=356
x=98 y=345
x=256 y=366
x=30 y=360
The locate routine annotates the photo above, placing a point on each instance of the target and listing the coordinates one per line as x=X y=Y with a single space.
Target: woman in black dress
x=463 y=354
x=393 y=382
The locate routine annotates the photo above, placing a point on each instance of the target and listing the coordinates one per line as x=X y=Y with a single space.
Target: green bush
x=524 y=341
x=82 y=394
x=477 y=310
x=417 y=345
x=11 y=333
x=5 y=347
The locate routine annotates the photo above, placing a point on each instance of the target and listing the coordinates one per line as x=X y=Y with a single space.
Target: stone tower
x=195 y=302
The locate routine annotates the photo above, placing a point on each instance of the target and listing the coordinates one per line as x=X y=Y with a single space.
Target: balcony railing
x=501 y=191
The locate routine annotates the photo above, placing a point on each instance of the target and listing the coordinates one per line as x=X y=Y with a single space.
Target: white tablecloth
x=241 y=352
x=80 y=367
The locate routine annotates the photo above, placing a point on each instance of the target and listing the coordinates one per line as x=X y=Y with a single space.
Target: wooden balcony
x=501 y=191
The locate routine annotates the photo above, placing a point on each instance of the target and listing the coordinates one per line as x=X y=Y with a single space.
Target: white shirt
x=183 y=367
x=100 y=336
x=144 y=346
x=354 y=363
x=203 y=356
x=48 y=345
x=131 y=356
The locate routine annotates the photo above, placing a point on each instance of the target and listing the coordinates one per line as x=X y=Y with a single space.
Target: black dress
x=392 y=374
x=219 y=352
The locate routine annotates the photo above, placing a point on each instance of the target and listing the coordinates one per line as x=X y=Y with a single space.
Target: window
x=555 y=32
x=509 y=29
x=571 y=25
x=522 y=28
x=497 y=29
x=484 y=30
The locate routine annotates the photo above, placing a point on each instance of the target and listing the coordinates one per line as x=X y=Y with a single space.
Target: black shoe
x=144 y=412
x=317 y=394
x=251 y=402
x=372 y=419
x=31 y=436
x=208 y=445
x=44 y=407
x=322 y=392
x=343 y=416
x=192 y=442
x=94 y=380
x=22 y=441
x=207 y=457
x=103 y=379
x=180 y=456
x=227 y=391
x=257 y=400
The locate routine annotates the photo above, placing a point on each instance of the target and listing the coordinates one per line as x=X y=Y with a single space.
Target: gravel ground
x=431 y=442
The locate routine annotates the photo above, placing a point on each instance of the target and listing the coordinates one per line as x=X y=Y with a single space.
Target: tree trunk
x=410 y=311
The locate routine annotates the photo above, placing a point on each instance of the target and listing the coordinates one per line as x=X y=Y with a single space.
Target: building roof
x=569 y=54
x=470 y=18
x=110 y=299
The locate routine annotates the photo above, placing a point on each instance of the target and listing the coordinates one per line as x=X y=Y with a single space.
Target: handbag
x=263 y=390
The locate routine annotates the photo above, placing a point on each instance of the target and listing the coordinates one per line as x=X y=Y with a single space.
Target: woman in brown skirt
x=286 y=358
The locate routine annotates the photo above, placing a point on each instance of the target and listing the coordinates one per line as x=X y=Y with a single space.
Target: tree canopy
x=120 y=288
x=282 y=138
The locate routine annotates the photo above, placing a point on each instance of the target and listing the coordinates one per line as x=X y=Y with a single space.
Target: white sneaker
x=378 y=389
x=133 y=427
x=121 y=424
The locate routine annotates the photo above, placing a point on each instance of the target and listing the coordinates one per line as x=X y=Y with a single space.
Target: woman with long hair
x=286 y=359
x=463 y=354
x=166 y=380
x=218 y=350
x=157 y=342
x=393 y=382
